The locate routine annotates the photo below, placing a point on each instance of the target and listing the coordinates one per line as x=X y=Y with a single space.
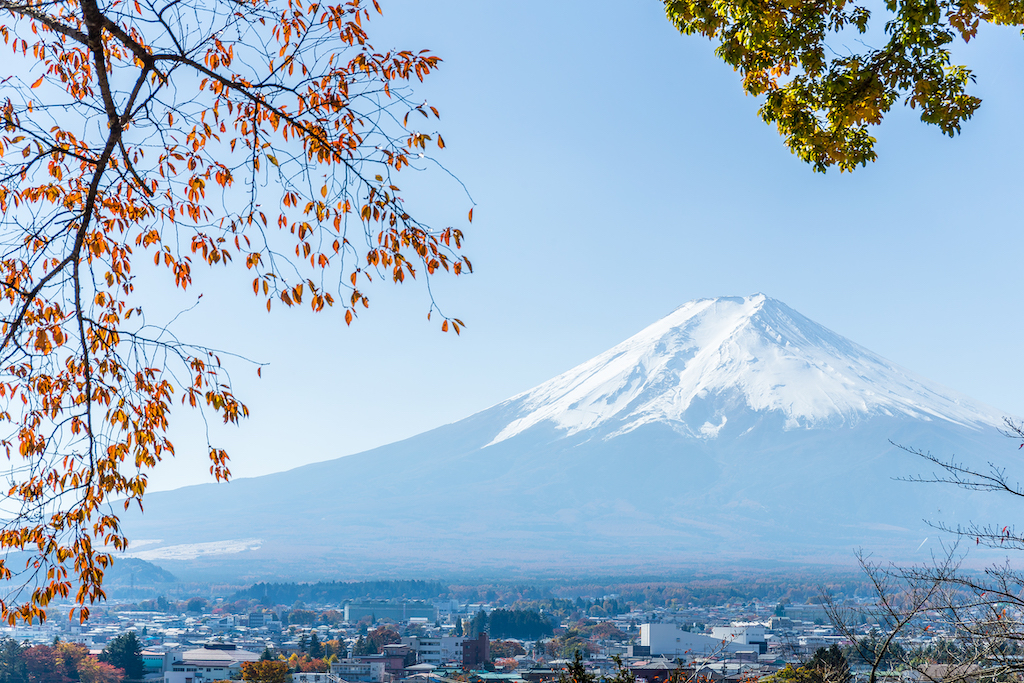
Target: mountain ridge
x=619 y=472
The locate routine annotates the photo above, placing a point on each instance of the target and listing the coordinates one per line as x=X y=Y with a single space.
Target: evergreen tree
x=478 y=625
x=316 y=649
x=576 y=672
x=125 y=652
x=303 y=643
x=12 y=663
x=458 y=627
x=267 y=655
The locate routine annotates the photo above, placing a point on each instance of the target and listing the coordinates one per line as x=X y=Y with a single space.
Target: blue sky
x=619 y=171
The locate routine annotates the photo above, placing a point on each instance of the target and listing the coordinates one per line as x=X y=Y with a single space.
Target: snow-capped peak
x=736 y=354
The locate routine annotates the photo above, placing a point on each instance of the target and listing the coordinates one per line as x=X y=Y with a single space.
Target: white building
x=438 y=650
x=745 y=632
x=355 y=670
x=211 y=663
x=669 y=639
x=314 y=678
x=183 y=674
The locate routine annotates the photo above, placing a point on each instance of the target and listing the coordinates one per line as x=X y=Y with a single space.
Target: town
x=402 y=640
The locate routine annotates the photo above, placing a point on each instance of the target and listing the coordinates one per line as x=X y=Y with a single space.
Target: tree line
x=326 y=592
x=511 y=623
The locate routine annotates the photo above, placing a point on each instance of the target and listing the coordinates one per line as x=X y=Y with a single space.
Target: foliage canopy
x=824 y=100
x=265 y=672
x=259 y=135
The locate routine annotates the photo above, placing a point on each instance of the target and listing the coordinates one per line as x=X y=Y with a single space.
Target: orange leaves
x=218 y=464
x=87 y=399
x=456 y=325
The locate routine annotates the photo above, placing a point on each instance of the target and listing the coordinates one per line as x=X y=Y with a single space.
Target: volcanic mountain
x=732 y=428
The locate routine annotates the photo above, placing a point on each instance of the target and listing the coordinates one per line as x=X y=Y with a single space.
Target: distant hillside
x=326 y=592
x=129 y=571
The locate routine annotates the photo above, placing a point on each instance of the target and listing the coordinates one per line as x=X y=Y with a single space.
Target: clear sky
x=619 y=171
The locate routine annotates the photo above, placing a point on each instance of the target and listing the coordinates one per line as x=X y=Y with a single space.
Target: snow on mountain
x=752 y=352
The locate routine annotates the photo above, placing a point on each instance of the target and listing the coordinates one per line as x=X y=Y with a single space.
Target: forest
x=334 y=592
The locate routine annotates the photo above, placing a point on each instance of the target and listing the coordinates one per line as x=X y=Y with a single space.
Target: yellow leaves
x=42 y=342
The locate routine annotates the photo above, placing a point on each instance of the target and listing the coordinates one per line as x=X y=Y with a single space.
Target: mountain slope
x=732 y=428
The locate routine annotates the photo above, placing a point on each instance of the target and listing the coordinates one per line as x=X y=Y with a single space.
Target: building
x=212 y=662
x=659 y=670
x=156 y=661
x=437 y=650
x=396 y=611
x=314 y=678
x=475 y=651
x=365 y=671
x=813 y=613
x=183 y=674
x=669 y=639
x=745 y=632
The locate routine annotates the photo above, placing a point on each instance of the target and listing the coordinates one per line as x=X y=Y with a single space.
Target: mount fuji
x=732 y=429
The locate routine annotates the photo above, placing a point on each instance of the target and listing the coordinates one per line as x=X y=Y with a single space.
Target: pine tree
x=316 y=649
x=12 y=663
x=478 y=625
x=125 y=652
